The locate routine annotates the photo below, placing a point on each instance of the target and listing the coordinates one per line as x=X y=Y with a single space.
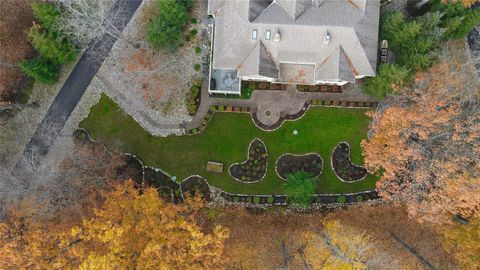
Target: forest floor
x=256 y=237
x=226 y=139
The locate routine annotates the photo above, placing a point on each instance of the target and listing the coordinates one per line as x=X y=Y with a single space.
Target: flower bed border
x=329 y=199
x=351 y=162
x=248 y=152
x=296 y=155
x=318 y=88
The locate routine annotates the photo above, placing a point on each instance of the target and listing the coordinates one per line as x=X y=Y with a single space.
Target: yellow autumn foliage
x=132 y=229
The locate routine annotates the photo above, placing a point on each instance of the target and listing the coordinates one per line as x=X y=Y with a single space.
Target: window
x=254 y=34
x=268 y=35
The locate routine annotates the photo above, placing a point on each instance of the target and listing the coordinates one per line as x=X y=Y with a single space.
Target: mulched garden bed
x=196 y=185
x=323 y=199
x=167 y=188
x=343 y=166
x=320 y=88
x=290 y=163
x=255 y=167
x=132 y=169
x=257 y=85
x=194 y=98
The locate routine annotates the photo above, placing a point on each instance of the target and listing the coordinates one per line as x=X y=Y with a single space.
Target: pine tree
x=41 y=70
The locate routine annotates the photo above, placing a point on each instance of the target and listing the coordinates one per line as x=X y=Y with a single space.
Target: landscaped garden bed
x=256 y=85
x=225 y=138
x=193 y=97
x=324 y=199
x=132 y=169
x=194 y=185
x=167 y=188
x=355 y=104
x=255 y=167
x=343 y=166
x=320 y=88
x=289 y=163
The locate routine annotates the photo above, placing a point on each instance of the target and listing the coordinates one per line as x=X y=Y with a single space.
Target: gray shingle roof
x=259 y=63
x=302 y=24
x=336 y=65
x=255 y=7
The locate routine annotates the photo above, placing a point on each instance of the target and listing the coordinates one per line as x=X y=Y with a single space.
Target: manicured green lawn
x=226 y=140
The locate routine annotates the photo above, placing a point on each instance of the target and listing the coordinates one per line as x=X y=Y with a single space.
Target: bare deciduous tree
x=86 y=21
x=69 y=177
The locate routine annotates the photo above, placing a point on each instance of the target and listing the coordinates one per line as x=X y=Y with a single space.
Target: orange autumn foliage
x=427 y=144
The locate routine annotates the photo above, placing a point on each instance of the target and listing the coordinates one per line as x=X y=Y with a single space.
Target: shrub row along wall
x=256 y=85
x=323 y=199
x=320 y=88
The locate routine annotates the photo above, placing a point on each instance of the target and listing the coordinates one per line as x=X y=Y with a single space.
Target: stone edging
x=279 y=123
x=303 y=155
x=211 y=112
x=314 y=204
x=248 y=152
x=350 y=159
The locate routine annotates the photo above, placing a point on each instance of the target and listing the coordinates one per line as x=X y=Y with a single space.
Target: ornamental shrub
x=270 y=199
x=300 y=188
x=341 y=199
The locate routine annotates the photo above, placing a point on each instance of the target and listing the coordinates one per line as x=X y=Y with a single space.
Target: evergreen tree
x=390 y=79
x=165 y=31
x=41 y=70
x=47 y=14
x=457 y=19
x=50 y=47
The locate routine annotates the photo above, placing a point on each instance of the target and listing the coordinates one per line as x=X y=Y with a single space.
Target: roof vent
x=277 y=36
x=327 y=38
x=268 y=35
x=254 y=34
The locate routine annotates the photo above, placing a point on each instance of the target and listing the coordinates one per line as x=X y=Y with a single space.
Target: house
x=292 y=41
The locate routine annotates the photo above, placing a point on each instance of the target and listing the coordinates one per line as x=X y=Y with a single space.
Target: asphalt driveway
x=74 y=88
